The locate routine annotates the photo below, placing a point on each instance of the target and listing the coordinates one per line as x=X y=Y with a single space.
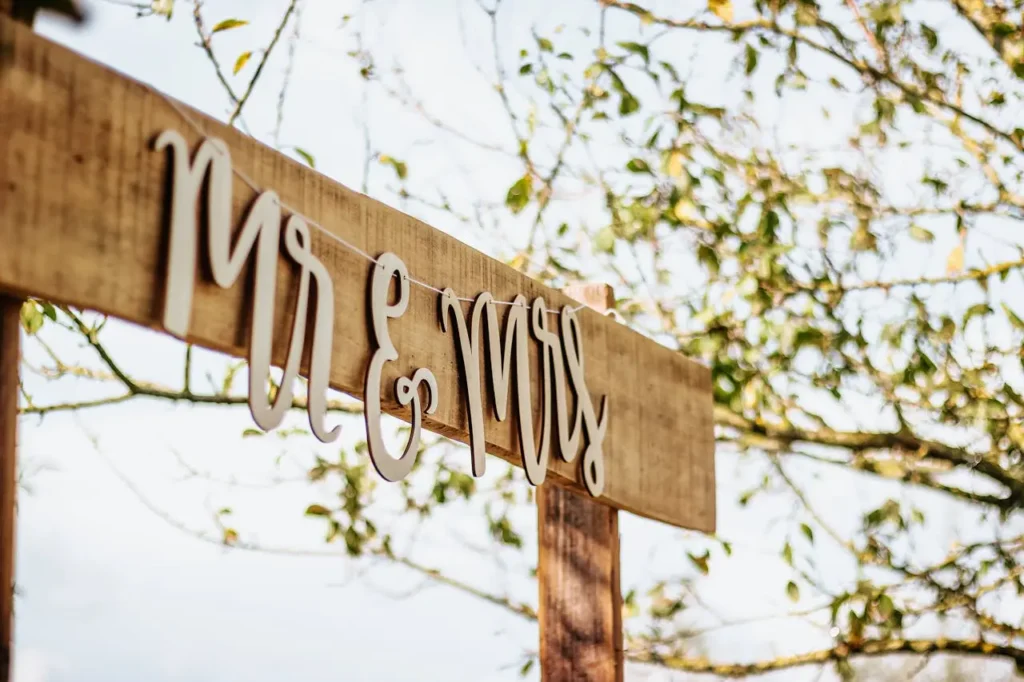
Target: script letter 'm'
x=500 y=357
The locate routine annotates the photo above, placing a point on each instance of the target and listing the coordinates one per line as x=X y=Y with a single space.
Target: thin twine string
x=323 y=230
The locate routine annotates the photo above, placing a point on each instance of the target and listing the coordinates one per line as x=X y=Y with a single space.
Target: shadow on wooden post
x=580 y=601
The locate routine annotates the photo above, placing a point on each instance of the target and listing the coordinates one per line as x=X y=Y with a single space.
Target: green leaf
x=605 y=240
x=48 y=310
x=401 y=170
x=628 y=104
x=1003 y=29
x=808 y=532
x=787 y=553
x=975 y=310
x=792 y=591
x=525 y=670
x=306 y=156
x=250 y=432
x=638 y=166
x=937 y=184
x=545 y=45
x=701 y=562
x=229 y=24
x=920 y=234
x=749 y=59
x=930 y=36
x=240 y=63
x=519 y=193
x=31 y=317
x=317 y=510
x=1014 y=318
x=637 y=48
x=885 y=606
x=525 y=69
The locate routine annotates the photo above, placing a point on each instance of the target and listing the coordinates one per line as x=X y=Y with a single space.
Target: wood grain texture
x=10 y=358
x=580 y=595
x=82 y=221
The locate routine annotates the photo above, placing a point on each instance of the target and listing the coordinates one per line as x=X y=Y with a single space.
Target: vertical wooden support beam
x=10 y=359
x=10 y=341
x=580 y=602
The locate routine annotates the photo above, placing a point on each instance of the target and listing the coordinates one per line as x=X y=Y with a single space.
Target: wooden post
x=10 y=331
x=580 y=613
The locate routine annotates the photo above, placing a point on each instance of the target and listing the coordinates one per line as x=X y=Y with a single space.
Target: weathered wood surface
x=578 y=580
x=10 y=359
x=82 y=222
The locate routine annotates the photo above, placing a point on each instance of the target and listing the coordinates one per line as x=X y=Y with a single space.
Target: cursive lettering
x=535 y=462
x=407 y=390
x=261 y=231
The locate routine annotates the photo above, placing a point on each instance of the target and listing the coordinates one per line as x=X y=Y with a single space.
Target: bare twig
x=241 y=101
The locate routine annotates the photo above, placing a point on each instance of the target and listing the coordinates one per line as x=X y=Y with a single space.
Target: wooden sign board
x=85 y=202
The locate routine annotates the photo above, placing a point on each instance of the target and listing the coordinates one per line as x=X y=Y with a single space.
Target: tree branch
x=841 y=652
x=785 y=437
x=263 y=62
x=865 y=69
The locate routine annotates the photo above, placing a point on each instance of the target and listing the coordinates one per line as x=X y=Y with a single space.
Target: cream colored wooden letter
x=261 y=232
x=593 y=457
x=469 y=363
x=551 y=349
x=499 y=358
x=407 y=392
x=297 y=241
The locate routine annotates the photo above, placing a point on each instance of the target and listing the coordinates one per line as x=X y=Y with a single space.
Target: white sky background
x=109 y=591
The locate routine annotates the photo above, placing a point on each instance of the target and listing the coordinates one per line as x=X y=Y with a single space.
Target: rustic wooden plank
x=82 y=221
x=10 y=357
x=580 y=604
